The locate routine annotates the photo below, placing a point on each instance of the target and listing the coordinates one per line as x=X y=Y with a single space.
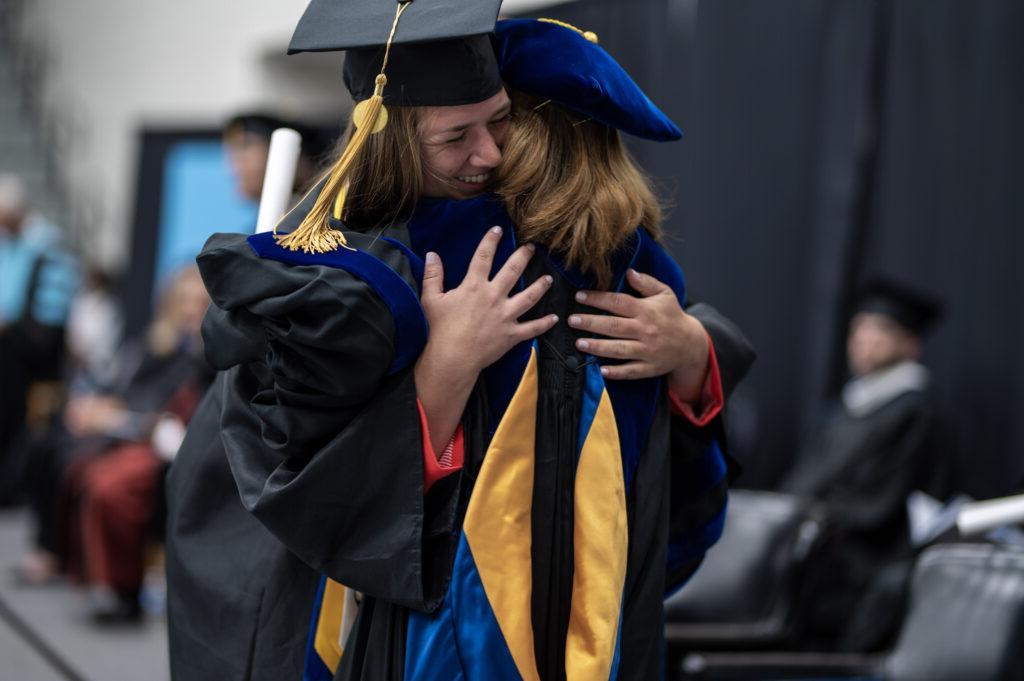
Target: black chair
x=742 y=596
x=965 y=623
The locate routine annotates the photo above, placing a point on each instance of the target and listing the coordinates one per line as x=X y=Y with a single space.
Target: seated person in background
x=152 y=370
x=884 y=439
x=117 y=494
x=122 y=503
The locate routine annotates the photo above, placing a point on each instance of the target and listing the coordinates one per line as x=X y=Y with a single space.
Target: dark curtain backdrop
x=826 y=142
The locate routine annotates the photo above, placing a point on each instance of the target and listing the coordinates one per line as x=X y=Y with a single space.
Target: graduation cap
x=912 y=309
x=438 y=51
x=409 y=53
x=559 y=62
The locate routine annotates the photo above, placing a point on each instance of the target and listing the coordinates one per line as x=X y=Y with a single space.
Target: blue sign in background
x=199 y=198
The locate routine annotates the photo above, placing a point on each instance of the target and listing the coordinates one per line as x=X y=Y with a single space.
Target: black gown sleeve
x=734 y=352
x=700 y=466
x=322 y=436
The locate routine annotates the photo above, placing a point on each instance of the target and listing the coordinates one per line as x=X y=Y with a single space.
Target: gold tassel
x=315 y=234
x=589 y=35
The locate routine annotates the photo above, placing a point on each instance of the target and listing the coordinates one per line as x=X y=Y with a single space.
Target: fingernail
x=496 y=229
x=580 y=296
x=431 y=258
x=582 y=344
x=548 y=278
x=574 y=320
x=554 y=318
x=604 y=371
x=531 y=247
x=634 y=272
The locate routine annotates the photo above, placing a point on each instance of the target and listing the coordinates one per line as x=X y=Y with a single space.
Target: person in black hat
x=885 y=438
x=509 y=552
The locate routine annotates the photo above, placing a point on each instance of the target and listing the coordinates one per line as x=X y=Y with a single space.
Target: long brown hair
x=386 y=178
x=569 y=183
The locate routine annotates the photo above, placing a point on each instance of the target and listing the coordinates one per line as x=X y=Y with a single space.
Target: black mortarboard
x=912 y=309
x=410 y=53
x=440 y=54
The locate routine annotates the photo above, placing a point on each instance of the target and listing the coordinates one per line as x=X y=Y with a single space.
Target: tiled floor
x=39 y=621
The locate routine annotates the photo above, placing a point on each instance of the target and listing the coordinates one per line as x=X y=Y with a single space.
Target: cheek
x=443 y=162
x=500 y=134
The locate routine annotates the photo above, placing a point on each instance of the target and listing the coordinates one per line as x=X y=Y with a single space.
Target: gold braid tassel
x=589 y=35
x=315 y=234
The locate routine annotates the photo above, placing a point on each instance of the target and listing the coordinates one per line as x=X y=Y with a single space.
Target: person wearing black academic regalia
x=506 y=502
x=886 y=437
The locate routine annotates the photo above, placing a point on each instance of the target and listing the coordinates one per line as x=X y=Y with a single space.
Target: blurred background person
x=119 y=493
x=886 y=437
x=96 y=422
x=37 y=281
x=95 y=331
x=247 y=142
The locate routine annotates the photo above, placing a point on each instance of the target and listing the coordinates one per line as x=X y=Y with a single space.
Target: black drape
x=826 y=142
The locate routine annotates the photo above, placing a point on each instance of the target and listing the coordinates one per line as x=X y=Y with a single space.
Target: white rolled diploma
x=982 y=516
x=279 y=180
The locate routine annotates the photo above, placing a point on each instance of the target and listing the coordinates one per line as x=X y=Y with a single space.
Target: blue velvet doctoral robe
x=579 y=505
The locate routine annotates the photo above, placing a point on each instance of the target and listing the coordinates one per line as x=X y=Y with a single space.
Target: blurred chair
x=742 y=597
x=965 y=623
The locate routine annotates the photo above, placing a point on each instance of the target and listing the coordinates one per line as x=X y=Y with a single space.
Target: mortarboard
x=556 y=61
x=912 y=309
x=440 y=54
x=410 y=53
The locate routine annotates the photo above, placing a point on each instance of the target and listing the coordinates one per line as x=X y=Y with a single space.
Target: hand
x=94 y=415
x=471 y=326
x=651 y=332
x=477 y=322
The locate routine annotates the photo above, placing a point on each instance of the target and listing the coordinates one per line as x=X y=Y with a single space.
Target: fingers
x=526 y=299
x=513 y=268
x=536 y=327
x=483 y=258
x=607 y=325
x=645 y=284
x=612 y=349
x=433 y=276
x=628 y=371
x=621 y=304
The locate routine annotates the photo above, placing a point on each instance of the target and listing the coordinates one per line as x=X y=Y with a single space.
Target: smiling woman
x=462 y=146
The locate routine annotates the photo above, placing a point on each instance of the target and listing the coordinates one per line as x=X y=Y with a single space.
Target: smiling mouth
x=474 y=179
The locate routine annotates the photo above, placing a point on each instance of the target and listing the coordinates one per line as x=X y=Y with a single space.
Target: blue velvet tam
x=559 y=63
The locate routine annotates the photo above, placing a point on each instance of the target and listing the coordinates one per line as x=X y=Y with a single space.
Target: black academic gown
x=305 y=460
x=863 y=467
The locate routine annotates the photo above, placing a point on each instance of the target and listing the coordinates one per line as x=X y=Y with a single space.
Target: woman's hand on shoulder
x=474 y=324
x=650 y=332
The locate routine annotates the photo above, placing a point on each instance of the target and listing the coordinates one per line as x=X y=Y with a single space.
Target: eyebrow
x=500 y=113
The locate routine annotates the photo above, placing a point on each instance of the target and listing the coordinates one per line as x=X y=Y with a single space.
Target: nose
x=486 y=153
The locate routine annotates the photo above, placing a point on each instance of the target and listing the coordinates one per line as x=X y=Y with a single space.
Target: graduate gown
x=863 y=466
x=579 y=504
